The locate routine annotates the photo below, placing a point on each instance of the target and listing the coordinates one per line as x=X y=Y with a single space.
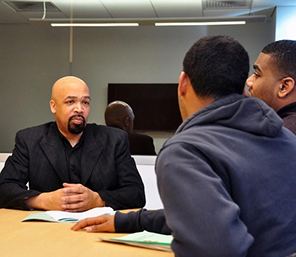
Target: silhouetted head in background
x=120 y=115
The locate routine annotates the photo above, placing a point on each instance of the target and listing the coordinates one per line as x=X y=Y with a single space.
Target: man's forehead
x=70 y=89
x=73 y=86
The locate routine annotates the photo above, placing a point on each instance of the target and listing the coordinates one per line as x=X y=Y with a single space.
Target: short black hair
x=283 y=54
x=217 y=66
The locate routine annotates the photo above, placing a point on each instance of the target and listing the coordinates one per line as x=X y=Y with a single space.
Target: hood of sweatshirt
x=238 y=112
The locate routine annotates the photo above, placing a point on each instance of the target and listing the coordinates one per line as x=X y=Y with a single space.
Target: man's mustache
x=77 y=116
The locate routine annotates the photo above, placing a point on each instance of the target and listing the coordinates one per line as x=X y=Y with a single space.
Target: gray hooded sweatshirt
x=227 y=181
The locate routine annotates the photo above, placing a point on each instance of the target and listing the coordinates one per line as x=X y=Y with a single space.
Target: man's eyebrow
x=256 y=67
x=75 y=97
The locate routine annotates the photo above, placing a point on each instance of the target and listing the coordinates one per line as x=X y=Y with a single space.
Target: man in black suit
x=70 y=165
x=120 y=115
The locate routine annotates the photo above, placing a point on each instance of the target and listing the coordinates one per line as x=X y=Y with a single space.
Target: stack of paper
x=62 y=216
x=144 y=239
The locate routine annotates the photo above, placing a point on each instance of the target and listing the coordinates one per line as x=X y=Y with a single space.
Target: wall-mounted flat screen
x=155 y=105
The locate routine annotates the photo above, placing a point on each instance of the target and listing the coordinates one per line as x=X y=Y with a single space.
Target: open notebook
x=62 y=216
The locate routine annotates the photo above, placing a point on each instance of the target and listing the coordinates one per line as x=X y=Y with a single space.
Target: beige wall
x=32 y=57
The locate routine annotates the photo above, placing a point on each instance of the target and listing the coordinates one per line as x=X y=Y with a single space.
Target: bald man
x=70 y=165
x=120 y=115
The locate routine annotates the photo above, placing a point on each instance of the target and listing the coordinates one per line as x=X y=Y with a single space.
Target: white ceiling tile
x=141 y=9
x=271 y=3
x=178 y=8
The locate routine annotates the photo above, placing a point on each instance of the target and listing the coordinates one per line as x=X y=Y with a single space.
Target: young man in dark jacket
x=274 y=78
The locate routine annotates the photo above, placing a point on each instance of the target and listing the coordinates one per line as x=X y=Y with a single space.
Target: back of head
x=283 y=54
x=119 y=114
x=217 y=66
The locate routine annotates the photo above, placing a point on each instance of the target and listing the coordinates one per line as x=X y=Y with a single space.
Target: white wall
x=33 y=57
x=3 y=157
x=146 y=168
x=286 y=23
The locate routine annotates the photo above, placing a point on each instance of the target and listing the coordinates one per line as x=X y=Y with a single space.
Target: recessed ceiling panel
x=40 y=15
x=223 y=8
x=226 y=13
x=8 y=15
x=129 y=8
x=33 y=9
x=226 y=5
x=28 y=6
x=82 y=8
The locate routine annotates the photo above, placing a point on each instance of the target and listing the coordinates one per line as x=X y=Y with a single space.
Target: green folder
x=144 y=239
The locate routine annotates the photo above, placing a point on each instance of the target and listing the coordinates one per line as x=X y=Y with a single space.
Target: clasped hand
x=72 y=198
x=76 y=197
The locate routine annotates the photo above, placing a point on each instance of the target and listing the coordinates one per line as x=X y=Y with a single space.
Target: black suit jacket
x=39 y=158
x=141 y=144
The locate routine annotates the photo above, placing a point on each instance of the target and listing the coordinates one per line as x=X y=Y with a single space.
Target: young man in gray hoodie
x=227 y=177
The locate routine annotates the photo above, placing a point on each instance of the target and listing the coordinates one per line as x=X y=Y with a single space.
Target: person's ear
x=126 y=121
x=53 y=107
x=286 y=87
x=183 y=84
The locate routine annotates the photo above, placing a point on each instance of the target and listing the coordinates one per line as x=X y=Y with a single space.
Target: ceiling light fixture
x=94 y=24
x=211 y=23
x=115 y=22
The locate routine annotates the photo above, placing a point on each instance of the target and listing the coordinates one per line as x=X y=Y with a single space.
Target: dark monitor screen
x=155 y=105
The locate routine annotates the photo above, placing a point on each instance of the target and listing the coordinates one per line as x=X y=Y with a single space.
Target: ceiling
x=23 y=11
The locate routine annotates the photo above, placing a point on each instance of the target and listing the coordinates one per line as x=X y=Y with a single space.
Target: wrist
x=99 y=202
x=36 y=202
